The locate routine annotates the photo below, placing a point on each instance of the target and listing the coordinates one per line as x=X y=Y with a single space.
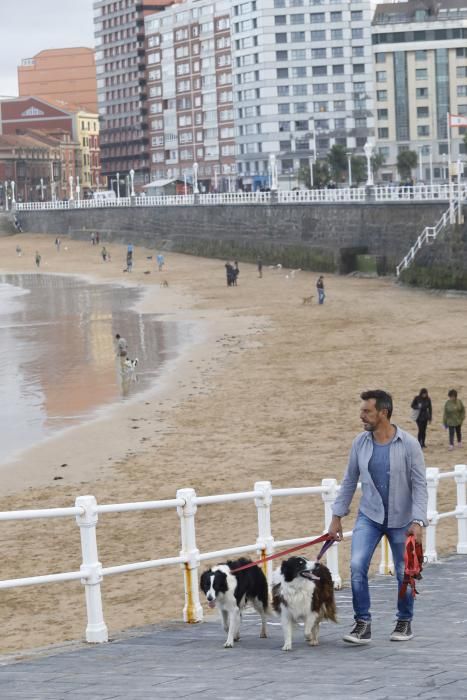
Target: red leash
x=327 y=539
x=413 y=559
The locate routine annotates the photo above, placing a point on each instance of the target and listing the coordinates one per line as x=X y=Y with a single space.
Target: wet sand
x=269 y=391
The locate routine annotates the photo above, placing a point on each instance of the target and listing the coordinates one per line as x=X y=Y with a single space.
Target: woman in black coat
x=422 y=404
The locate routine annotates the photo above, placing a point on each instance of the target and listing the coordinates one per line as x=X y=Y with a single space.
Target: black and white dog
x=130 y=364
x=232 y=591
x=303 y=591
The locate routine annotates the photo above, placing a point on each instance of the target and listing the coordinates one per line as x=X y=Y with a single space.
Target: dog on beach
x=307 y=300
x=232 y=591
x=164 y=283
x=130 y=364
x=303 y=591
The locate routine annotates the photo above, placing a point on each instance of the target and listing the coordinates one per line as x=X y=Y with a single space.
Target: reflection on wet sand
x=57 y=355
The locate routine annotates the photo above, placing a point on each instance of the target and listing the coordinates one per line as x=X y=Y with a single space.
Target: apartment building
x=67 y=74
x=420 y=58
x=121 y=85
x=189 y=80
x=303 y=81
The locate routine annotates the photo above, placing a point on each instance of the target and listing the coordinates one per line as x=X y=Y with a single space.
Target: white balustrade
x=387 y=193
x=91 y=573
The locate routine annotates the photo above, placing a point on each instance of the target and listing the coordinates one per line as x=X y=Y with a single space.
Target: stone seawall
x=321 y=236
x=6 y=224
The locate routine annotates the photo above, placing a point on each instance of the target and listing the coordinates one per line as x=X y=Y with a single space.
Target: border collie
x=232 y=592
x=303 y=591
x=130 y=364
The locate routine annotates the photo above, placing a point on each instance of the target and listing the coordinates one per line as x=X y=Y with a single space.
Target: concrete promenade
x=184 y=661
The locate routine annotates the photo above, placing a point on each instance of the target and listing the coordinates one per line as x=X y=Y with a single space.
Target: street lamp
x=420 y=163
x=70 y=180
x=13 y=200
x=445 y=172
x=368 y=150
x=430 y=155
x=42 y=188
x=311 y=164
x=132 y=183
x=195 y=178
x=78 y=188
x=273 y=171
x=6 y=195
x=349 y=167
x=118 y=185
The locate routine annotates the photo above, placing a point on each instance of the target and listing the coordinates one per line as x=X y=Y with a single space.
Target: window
x=320 y=106
x=383 y=132
x=423 y=130
x=301 y=89
x=317 y=18
x=283 y=108
x=298 y=54
x=357 y=33
x=380 y=58
x=381 y=76
x=280 y=19
x=319 y=70
x=282 y=73
x=281 y=55
x=358 y=68
x=281 y=38
x=421 y=73
x=382 y=114
x=382 y=95
x=318 y=35
x=461 y=71
x=318 y=53
x=462 y=91
x=339 y=123
x=282 y=90
x=284 y=126
x=423 y=112
x=420 y=55
x=299 y=72
x=297 y=19
x=421 y=93
x=336 y=34
x=338 y=69
x=356 y=16
x=336 y=16
x=337 y=52
x=339 y=105
x=297 y=36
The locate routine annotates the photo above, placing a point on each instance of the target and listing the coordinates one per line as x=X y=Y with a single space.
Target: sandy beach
x=269 y=390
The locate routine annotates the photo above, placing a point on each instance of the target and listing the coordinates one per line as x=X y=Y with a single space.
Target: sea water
x=58 y=363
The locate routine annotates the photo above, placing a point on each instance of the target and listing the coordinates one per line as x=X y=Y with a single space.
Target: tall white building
x=302 y=82
x=420 y=58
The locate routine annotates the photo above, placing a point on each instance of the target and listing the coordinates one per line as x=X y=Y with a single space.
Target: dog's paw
x=263 y=635
x=313 y=642
x=287 y=647
x=228 y=645
x=237 y=638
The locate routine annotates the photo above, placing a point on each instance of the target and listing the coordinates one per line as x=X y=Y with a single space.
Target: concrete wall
x=6 y=224
x=313 y=236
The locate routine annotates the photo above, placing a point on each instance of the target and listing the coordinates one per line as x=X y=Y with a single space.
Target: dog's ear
x=204 y=582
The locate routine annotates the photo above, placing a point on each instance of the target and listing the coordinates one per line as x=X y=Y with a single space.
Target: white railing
x=387 y=193
x=430 y=234
x=91 y=572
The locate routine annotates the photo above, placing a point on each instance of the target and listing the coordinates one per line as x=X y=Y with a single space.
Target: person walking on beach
x=389 y=463
x=235 y=273
x=129 y=261
x=160 y=262
x=421 y=405
x=122 y=346
x=259 y=265
x=38 y=259
x=320 y=288
x=453 y=417
x=93 y=238
x=58 y=244
x=104 y=253
x=97 y=238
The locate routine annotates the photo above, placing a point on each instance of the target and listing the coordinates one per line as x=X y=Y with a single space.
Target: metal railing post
x=461 y=515
x=192 y=610
x=265 y=540
x=432 y=480
x=91 y=568
x=332 y=555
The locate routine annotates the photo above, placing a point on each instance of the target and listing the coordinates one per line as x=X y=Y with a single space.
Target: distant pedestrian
x=104 y=254
x=58 y=244
x=93 y=238
x=320 y=288
x=259 y=265
x=17 y=224
x=453 y=417
x=421 y=406
x=97 y=238
x=18 y=251
x=129 y=261
x=38 y=259
x=235 y=274
x=122 y=346
x=160 y=262
x=229 y=271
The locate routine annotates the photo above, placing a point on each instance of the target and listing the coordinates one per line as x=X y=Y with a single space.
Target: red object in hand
x=413 y=559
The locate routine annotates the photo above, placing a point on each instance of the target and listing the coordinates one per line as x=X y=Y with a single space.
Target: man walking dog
x=389 y=463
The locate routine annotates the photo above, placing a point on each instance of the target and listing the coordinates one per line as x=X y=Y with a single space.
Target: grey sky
x=29 y=26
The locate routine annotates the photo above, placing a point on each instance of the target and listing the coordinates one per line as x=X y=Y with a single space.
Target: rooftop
x=420 y=11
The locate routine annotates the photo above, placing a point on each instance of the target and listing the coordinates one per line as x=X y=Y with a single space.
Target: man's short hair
x=383 y=400
x=452 y=394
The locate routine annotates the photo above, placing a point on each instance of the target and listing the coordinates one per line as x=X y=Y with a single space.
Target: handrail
x=91 y=572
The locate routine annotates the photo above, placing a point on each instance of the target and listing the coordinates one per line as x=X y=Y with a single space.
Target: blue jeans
x=366 y=536
x=321 y=296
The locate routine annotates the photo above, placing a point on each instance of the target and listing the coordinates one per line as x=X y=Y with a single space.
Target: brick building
x=121 y=86
x=77 y=130
x=67 y=74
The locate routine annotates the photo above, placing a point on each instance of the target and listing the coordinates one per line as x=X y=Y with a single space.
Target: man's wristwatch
x=419 y=522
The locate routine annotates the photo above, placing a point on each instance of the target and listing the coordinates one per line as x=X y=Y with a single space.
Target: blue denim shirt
x=408 y=494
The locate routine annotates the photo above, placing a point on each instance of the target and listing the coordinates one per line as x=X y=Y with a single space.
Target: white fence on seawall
x=91 y=573
x=386 y=193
